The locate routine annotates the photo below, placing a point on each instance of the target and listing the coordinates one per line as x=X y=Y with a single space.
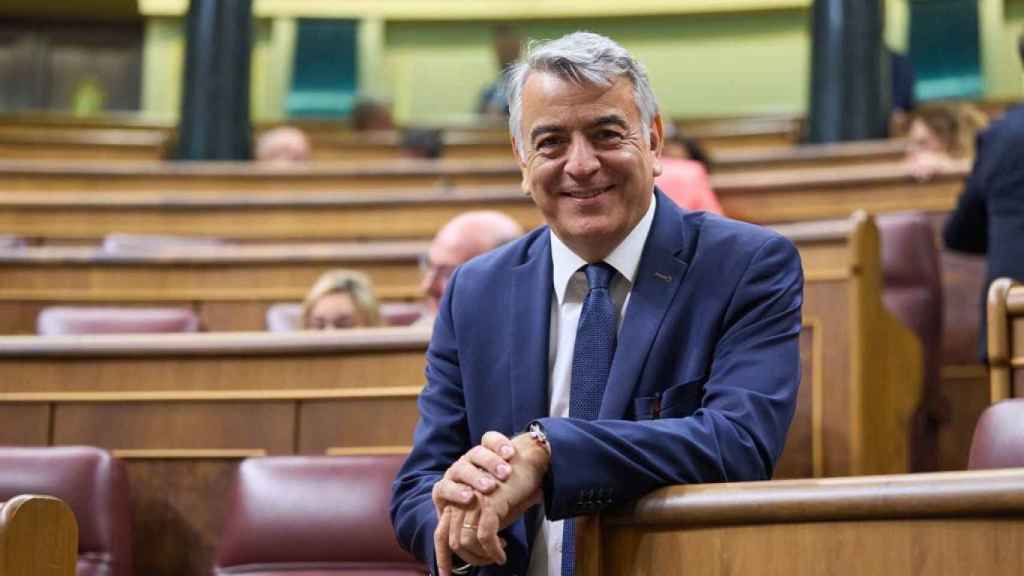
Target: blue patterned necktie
x=591 y=364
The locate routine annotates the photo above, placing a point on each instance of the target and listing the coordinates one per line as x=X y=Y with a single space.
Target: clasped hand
x=484 y=491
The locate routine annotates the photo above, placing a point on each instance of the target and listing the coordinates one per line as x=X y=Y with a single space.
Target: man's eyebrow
x=611 y=119
x=543 y=129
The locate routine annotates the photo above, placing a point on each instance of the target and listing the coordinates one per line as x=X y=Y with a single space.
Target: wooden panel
x=949 y=523
x=38 y=536
x=828 y=302
x=967 y=395
x=177 y=425
x=356 y=423
x=178 y=509
x=25 y=424
x=797 y=460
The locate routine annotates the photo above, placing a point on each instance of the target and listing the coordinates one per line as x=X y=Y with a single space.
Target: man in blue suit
x=625 y=346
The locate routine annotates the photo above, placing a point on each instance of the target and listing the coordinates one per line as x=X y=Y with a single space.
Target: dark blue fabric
x=591 y=363
x=989 y=215
x=702 y=387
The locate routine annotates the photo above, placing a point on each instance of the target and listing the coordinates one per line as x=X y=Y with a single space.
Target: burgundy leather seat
x=999 y=437
x=912 y=291
x=313 y=516
x=94 y=486
x=57 y=320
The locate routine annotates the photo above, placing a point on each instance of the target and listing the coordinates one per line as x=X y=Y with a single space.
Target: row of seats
x=280 y=317
x=308 y=515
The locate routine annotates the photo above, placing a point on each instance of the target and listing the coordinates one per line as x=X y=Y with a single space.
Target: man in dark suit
x=625 y=346
x=989 y=216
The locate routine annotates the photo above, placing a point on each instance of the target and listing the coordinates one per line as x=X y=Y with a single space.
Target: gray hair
x=583 y=58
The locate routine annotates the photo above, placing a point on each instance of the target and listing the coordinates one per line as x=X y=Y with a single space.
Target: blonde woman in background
x=340 y=299
x=941 y=137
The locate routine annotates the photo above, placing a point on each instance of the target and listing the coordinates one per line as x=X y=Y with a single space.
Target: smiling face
x=588 y=166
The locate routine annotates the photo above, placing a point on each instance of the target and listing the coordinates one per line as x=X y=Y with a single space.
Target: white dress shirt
x=570 y=285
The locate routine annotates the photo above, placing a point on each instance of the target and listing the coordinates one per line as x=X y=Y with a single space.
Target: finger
x=487 y=536
x=499 y=444
x=486 y=459
x=465 y=472
x=463 y=539
x=446 y=491
x=442 y=552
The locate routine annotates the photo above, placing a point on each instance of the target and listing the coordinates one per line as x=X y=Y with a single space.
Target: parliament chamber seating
x=912 y=291
x=38 y=537
x=61 y=320
x=315 y=516
x=999 y=437
x=94 y=486
x=121 y=243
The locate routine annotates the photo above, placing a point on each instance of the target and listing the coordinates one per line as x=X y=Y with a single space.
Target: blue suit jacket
x=702 y=387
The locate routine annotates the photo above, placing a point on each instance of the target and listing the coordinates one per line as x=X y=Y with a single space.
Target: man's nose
x=582 y=161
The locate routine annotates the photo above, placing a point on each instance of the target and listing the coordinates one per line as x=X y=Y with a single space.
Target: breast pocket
x=675 y=402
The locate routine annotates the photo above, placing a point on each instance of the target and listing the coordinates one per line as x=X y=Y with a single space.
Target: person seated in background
x=369 y=115
x=493 y=102
x=340 y=299
x=425 y=143
x=467 y=235
x=283 y=145
x=684 y=178
x=989 y=215
x=940 y=137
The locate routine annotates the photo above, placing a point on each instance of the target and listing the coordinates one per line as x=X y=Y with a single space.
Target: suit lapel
x=529 y=314
x=658 y=278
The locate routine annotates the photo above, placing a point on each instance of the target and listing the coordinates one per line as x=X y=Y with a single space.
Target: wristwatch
x=536 y=432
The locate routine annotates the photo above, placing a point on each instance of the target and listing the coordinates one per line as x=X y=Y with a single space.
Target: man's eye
x=548 y=143
x=606 y=135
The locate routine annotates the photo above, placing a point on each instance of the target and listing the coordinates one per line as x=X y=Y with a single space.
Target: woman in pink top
x=683 y=179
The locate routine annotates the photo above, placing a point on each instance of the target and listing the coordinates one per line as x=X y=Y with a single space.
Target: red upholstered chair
x=94 y=486
x=999 y=437
x=90 y=320
x=912 y=291
x=313 y=516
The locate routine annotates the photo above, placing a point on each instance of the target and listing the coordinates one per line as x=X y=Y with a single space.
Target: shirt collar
x=625 y=258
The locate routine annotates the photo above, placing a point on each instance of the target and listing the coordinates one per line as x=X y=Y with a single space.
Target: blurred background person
x=684 y=175
x=467 y=235
x=371 y=115
x=422 y=143
x=942 y=136
x=493 y=101
x=340 y=299
x=283 y=145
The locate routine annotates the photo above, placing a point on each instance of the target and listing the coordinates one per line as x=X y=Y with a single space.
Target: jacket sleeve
x=737 y=432
x=966 y=230
x=441 y=437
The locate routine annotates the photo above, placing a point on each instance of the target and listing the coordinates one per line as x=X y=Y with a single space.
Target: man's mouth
x=587 y=193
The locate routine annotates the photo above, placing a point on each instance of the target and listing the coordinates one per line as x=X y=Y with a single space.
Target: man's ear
x=657 y=142
x=522 y=167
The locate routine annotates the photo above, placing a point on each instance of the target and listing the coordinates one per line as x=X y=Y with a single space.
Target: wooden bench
x=1006 y=339
x=943 y=524
x=230 y=286
x=297 y=214
x=108 y=145
x=38 y=537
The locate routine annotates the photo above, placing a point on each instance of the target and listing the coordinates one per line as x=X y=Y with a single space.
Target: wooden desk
x=230 y=287
x=38 y=537
x=1006 y=339
x=944 y=524
x=104 y=145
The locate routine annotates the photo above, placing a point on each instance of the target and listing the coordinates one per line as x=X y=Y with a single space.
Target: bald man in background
x=467 y=235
